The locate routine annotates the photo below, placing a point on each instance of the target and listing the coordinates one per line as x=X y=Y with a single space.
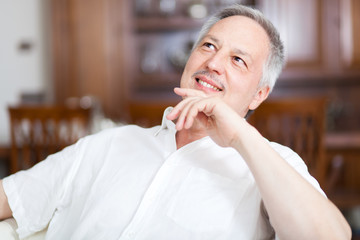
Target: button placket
x=148 y=201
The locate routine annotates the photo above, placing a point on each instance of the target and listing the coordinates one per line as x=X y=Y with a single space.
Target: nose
x=216 y=63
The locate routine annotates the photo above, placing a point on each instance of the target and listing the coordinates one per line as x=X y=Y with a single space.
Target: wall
x=26 y=70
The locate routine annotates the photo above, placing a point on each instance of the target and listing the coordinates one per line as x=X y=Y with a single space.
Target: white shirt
x=132 y=183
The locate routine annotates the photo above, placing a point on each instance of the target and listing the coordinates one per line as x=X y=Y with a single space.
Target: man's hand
x=218 y=119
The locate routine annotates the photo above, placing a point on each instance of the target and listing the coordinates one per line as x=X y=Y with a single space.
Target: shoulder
x=284 y=151
x=294 y=160
x=289 y=155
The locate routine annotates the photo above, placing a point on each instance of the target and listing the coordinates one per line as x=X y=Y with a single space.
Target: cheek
x=190 y=68
x=241 y=93
x=191 y=62
x=185 y=78
x=195 y=60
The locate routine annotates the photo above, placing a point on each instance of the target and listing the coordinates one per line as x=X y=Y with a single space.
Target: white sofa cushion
x=8 y=231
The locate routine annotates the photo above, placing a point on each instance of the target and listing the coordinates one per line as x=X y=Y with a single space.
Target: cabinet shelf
x=158 y=81
x=167 y=23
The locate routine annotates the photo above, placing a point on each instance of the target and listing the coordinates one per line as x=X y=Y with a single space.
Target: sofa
x=8 y=231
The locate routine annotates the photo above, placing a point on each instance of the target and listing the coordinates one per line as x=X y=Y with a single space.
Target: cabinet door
x=299 y=24
x=88 y=51
x=350 y=33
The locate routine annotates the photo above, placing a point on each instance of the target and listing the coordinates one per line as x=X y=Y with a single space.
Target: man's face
x=228 y=63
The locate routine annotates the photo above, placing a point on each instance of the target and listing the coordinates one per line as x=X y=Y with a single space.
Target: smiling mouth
x=207 y=85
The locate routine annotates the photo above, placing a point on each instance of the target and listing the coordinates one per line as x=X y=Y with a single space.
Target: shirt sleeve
x=35 y=194
x=297 y=163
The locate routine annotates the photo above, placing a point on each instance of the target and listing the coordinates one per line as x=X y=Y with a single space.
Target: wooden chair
x=148 y=114
x=299 y=124
x=38 y=130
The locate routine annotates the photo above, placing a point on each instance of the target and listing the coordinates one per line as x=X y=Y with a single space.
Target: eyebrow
x=236 y=50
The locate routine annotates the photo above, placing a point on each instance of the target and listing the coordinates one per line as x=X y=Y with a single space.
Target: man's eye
x=240 y=60
x=209 y=45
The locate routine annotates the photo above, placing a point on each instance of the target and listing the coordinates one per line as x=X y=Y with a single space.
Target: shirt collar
x=166 y=124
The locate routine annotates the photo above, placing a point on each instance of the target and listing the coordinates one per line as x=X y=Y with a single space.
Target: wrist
x=245 y=136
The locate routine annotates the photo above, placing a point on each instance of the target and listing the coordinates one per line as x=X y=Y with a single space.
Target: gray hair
x=275 y=61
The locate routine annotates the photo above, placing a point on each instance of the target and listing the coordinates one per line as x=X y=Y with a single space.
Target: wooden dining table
x=343 y=154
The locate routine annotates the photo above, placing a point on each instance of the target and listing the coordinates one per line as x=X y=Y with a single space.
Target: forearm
x=5 y=211
x=295 y=207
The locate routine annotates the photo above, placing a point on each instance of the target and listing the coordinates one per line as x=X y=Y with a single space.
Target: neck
x=186 y=136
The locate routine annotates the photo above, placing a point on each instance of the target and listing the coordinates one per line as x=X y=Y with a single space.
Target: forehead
x=242 y=33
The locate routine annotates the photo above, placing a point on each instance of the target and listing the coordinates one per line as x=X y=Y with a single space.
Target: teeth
x=208 y=85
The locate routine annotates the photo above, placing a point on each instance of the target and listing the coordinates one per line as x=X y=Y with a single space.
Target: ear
x=259 y=97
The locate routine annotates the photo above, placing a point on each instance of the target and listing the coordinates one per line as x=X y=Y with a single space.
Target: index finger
x=188 y=92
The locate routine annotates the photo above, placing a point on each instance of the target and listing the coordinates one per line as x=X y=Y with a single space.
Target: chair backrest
x=147 y=114
x=40 y=130
x=299 y=124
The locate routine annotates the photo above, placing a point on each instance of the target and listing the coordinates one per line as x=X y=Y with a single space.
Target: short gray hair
x=275 y=61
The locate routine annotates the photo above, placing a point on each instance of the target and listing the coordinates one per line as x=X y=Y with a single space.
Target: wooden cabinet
x=299 y=24
x=124 y=51
x=89 y=47
x=162 y=46
x=121 y=51
x=320 y=37
x=164 y=32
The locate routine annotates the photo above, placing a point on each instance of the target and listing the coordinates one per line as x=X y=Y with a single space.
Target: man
x=209 y=176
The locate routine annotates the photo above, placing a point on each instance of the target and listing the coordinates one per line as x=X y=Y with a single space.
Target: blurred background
x=122 y=58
